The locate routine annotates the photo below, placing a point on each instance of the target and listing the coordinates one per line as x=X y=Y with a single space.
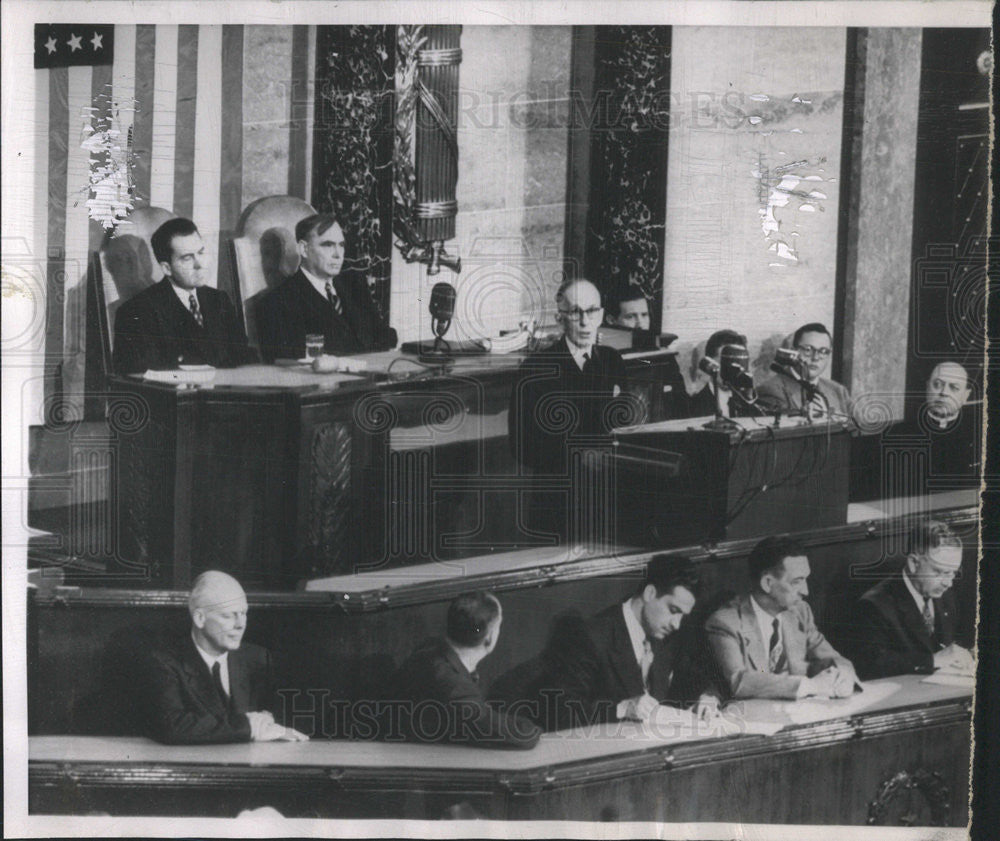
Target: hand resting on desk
x=263 y=728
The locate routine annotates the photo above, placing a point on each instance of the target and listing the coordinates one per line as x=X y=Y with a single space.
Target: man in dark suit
x=207 y=688
x=438 y=685
x=318 y=299
x=179 y=319
x=567 y=399
x=906 y=623
x=629 y=658
x=766 y=643
x=703 y=403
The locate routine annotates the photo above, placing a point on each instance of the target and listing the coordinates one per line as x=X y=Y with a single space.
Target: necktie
x=646 y=662
x=217 y=680
x=589 y=364
x=817 y=406
x=195 y=309
x=331 y=295
x=776 y=649
x=929 y=616
x=474 y=675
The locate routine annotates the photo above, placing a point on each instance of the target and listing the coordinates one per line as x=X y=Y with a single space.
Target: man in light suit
x=179 y=319
x=766 y=643
x=905 y=624
x=319 y=299
x=206 y=687
x=438 y=685
x=782 y=393
x=629 y=658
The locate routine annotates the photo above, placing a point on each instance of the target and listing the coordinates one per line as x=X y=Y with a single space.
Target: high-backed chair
x=127 y=258
x=264 y=251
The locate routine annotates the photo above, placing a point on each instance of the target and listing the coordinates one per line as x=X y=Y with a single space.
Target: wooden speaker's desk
x=899 y=750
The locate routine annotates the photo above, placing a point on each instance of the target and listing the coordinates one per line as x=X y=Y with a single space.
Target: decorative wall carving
x=895 y=797
x=330 y=511
x=353 y=146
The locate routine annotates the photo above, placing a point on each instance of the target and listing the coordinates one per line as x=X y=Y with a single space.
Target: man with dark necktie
x=567 y=399
x=207 y=687
x=906 y=623
x=814 y=395
x=438 y=690
x=766 y=643
x=179 y=320
x=622 y=663
x=319 y=299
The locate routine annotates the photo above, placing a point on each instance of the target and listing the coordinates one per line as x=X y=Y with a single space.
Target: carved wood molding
x=900 y=787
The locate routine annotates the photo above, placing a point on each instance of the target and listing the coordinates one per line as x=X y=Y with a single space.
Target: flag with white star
x=73 y=45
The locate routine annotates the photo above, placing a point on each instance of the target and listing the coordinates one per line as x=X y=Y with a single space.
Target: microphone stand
x=720 y=422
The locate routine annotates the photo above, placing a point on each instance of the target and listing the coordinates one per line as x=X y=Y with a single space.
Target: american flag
x=218 y=116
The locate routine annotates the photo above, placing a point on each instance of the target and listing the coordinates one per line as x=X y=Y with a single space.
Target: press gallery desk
x=283 y=474
x=897 y=753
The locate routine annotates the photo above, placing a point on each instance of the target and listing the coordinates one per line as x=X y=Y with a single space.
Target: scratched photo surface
x=423 y=421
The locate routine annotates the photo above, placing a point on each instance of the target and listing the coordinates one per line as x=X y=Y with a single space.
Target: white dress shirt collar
x=635 y=632
x=318 y=285
x=184 y=295
x=222 y=660
x=917 y=597
x=765 y=621
x=578 y=353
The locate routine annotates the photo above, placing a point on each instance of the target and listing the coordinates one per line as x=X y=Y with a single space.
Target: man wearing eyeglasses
x=813 y=394
x=907 y=623
x=563 y=402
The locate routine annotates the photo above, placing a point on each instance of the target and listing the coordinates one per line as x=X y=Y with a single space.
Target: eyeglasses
x=809 y=350
x=576 y=314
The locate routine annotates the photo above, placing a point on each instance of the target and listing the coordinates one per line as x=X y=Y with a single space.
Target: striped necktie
x=646 y=663
x=332 y=297
x=929 y=616
x=217 y=680
x=776 y=649
x=195 y=309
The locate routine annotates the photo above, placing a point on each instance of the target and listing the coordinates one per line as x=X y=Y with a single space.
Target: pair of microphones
x=732 y=369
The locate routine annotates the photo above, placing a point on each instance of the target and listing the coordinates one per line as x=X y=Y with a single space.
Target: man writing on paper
x=906 y=623
x=766 y=643
x=206 y=687
x=319 y=299
x=629 y=658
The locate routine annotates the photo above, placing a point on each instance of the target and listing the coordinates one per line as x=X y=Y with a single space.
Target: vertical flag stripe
x=298 y=127
x=145 y=95
x=207 y=139
x=187 y=92
x=232 y=127
x=101 y=96
x=56 y=223
x=79 y=92
x=161 y=173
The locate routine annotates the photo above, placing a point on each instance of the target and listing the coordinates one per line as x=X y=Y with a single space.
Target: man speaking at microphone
x=561 y=407
x=320 y=299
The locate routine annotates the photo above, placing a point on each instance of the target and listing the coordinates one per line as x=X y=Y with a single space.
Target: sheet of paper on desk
x=951 y=679
x=810 y=710
x=673 y=723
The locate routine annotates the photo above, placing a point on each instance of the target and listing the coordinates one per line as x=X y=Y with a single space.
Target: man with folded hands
x=766 y=643
x=207 y=687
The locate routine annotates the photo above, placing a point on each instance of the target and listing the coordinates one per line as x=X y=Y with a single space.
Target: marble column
x=879 y=232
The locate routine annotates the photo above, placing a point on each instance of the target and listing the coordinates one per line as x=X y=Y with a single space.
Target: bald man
x=207 y=687
x=563 y=401
x=948 y=390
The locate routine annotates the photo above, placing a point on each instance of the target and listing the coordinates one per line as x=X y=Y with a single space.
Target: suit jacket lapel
x=200 y=678
x=623 y=660
x=239 y=682
x=911 y=616
x=753 y=643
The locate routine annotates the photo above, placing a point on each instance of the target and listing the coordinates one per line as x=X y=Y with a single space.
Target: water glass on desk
x=314 y=345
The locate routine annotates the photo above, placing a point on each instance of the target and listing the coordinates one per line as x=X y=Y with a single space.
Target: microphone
x=442 y=309
x=734 y=363
x=789 y=363
x=709 y=366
